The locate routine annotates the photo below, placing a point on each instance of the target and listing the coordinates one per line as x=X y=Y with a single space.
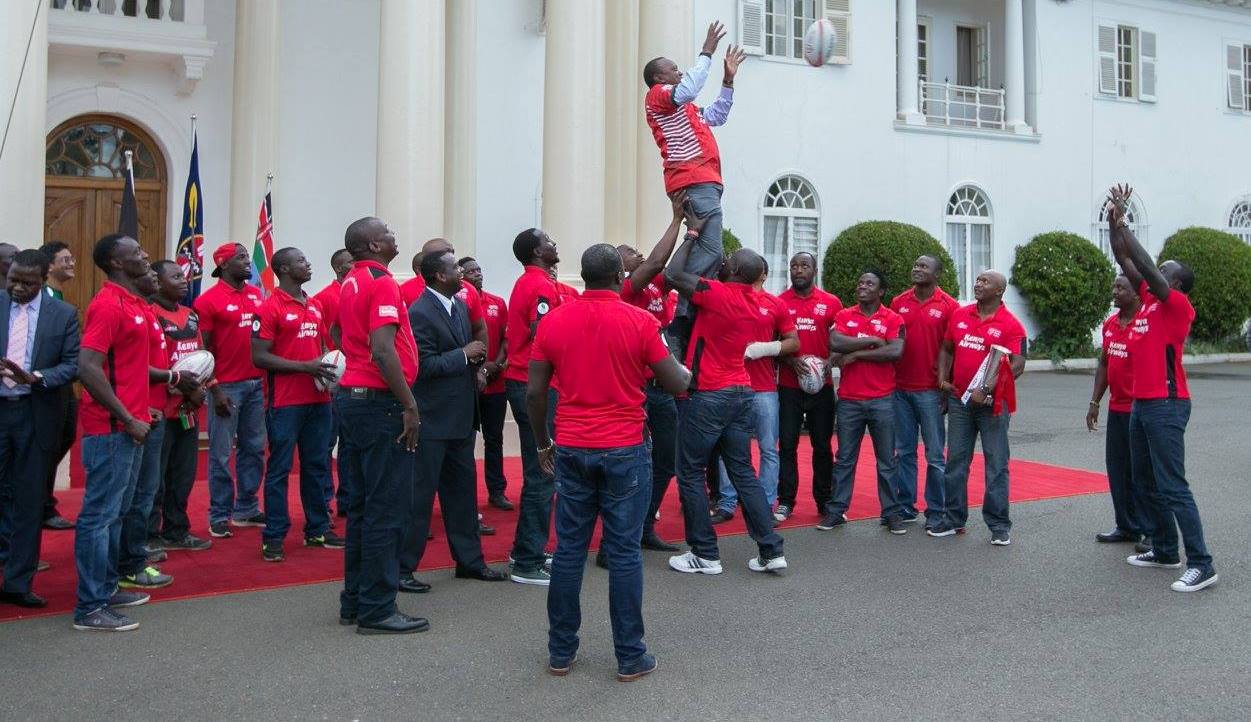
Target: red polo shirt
x=601 y=382
x=227 y=314
x=158 y=357
x=864 y=380
x=813 y=317
x=328 y=299
x=181 y=328
x=412 y=289
x=725 y=324
x=1120 y=372
x=652 y=299
x=496 y=312
x=296 y=329
x=972 y=338
x=1155 y=345
x=371 y=299
x=117 y=326
x=772 y=321
x=534 y=296
x=925 y=324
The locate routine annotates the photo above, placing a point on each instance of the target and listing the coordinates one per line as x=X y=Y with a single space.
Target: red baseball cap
x=224 y=253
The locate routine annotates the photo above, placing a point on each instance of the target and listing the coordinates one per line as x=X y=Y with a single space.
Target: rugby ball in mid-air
x=334 y=358
x=811 y=374
x=197 y=363
x=819 y=42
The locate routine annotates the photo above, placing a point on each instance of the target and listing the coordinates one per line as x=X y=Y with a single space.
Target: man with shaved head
x=7 y=252
x=982 y=396
x=412 y=289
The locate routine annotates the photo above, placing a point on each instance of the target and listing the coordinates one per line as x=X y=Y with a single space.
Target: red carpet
x=234 y=565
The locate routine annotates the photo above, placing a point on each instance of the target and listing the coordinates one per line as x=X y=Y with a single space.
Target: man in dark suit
x=39 y=339
x=447 y=399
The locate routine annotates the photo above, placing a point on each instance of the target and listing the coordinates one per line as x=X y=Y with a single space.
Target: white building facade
x=985 y=122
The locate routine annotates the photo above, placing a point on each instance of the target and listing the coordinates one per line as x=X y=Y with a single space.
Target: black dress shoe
x=58 y=522
x=1116 y=536
x=412 y=585
x=499 y=501
x=346 y=620
x=485 y=574
x=23 y=599
x=398 y=623
x=484 y=530
x=655 y=543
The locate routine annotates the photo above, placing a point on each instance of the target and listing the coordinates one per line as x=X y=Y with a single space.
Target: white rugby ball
x=811 y=374
x=198 y=363
x=336 y=359
x=819 y=42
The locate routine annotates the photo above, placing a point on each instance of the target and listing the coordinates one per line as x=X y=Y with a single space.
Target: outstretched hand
x=734 y=57
x=716 y=31
x=1117 y=202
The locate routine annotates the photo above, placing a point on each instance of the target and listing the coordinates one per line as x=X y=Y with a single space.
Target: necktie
x=17 y=341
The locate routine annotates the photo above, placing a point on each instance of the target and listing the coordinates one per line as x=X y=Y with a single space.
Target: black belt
x=22 y=397
x=366 y=393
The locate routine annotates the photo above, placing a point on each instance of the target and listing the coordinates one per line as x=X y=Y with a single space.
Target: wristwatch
x=39 y=379
x=985 y=389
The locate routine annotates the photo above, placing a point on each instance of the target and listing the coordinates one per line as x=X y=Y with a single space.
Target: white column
x=665 y=29
x=623 y=106
x=1014 y=66
x=22 y=165
x=411 y=123
x=254 y=125
x=909 y=106
x=573 y=129
x=460 y=156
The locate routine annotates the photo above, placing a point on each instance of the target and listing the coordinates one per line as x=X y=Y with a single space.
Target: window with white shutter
x=1107 y=59
x=838 y=12
x=791 y=224
x=1240 y=219
x=751 y=26
x=1238 y=76
x=1146 y=64
x=1128 y=58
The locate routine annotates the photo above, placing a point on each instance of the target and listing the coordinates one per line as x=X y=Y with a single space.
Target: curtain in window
x=775 y=253
x=957 y=245
x=979 y=249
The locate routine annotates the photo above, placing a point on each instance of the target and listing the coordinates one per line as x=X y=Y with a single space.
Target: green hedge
x=729 y=241
x=887 y=246
x=1222 y=266
x=1067 y=282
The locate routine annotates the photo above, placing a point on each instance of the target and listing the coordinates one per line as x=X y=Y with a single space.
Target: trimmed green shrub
x=1222 y=266
x=729 y=241
x=1067 y=282
x=887 y=246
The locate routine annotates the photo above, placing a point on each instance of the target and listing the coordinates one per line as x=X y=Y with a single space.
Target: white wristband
x=760 y=349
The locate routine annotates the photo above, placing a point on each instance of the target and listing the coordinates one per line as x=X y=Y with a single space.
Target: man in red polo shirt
x=719 y=411
x=534 y=296
x=492 y=401
x=599 y=455
x=1161 y=406
x=981 y=400
x=379 y=421
x=412 y=289
x=867 y=340
x=812 y=311
x=113 y=368
x=237 y=422
x=925 y=309
x=288 y=340
x=1114 y=374
x=328 y=299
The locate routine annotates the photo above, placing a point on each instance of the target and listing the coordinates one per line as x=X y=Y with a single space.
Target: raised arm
x=655 y=261
x=682 y=281
x=693 y=80
x=717 y=113
x=1134 y=260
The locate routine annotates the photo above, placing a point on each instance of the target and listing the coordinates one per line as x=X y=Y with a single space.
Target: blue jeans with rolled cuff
x=1157 y=431
x=243 y=431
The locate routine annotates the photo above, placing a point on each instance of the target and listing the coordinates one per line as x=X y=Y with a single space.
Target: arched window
x=1240 y=219
x=791 y=224
x=968 y=229
x=96 y=148
x=1134 y=215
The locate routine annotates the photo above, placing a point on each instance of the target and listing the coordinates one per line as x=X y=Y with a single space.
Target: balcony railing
x=962 y=106
x=164 y=10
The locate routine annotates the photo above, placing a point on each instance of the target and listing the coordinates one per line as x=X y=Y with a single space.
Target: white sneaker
x=1195 y=579
x=760 y=564
x=691 y=564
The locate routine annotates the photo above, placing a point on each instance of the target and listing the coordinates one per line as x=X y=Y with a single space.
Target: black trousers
x=794 y=406
x=445 y=467
x=493 y=408
x=1128 y=503
x=180 y=454
x=69 y=432
x=22 y=468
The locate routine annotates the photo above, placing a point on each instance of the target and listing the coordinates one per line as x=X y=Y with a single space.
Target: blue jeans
x=726 y=418
x=923 y=411
x=964 y=425
x=704 y=200
x=383 y=475
x=1157 y=430
x=614 y=484
x=111 y=462
x=662 y=430
x=534 y=516
x=309 y=427
x=765 y=405
x=877 y=416
x=133 y=553
x=246 y=425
